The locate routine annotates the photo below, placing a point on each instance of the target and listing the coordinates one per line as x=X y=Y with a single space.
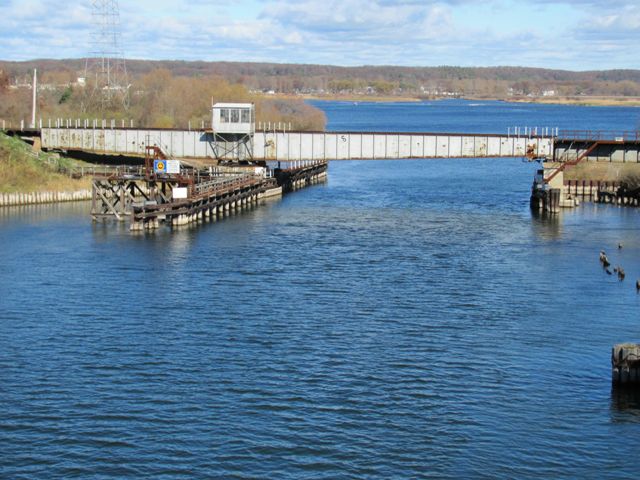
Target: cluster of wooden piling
x=547 y=200
x=625 y=364
x=38 y=198
x=573 y=192
x=291 y=179
x=603 y=192
x=589 y=190
x=619 y=198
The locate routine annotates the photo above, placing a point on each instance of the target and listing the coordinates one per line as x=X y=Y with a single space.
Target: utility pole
x=35 y=98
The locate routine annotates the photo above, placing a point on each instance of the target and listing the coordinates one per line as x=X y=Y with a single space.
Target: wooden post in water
x=625 y=364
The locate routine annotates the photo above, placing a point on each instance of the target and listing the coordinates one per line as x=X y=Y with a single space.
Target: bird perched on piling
x=603 y=259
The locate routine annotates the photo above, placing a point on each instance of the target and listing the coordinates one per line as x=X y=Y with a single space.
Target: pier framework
x=149 y=199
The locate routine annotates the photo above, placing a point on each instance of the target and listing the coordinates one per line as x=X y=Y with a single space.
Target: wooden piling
x=625 y=364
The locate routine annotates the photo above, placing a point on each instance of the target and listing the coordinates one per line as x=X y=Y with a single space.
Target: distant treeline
x=495 y=82
x=157 y=97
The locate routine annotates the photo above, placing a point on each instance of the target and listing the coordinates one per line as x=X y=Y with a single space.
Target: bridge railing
x=594 y=135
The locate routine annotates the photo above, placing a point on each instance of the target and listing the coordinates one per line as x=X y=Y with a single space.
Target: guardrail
x=593 y=135
x=221 y=184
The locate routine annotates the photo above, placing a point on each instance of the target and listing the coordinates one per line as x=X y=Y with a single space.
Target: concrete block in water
x=625 y=364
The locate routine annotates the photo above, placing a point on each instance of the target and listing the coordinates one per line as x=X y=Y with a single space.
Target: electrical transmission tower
x=105 y=71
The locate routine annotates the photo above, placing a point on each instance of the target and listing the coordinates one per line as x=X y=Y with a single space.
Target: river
x=405 y=319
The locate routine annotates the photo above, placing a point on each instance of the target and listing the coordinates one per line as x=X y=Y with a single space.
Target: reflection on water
x=625 y=404
x=36 y=213
x=545 y=225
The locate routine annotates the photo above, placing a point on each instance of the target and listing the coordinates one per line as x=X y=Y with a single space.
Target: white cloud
x=342 y=32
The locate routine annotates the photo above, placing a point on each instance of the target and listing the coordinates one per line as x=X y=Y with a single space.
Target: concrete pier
x=625 y=364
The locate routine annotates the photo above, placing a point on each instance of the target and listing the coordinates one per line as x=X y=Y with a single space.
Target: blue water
x=407 y=319
x=463 y=116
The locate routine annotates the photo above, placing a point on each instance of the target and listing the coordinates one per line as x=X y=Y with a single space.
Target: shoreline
x=41 y=198
x=594 y=101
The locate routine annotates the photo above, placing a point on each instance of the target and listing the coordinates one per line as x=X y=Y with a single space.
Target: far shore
x=585 y=101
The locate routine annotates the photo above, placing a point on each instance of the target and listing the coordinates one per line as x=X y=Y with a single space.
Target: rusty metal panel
x=140 y=142
x=198 y=139
x=331 y=145
x=258 y=145
x=281 y=145
x=455 y=146
x=442 y=146
x=98 y=141
x=430 y=146
x=506 y=146
x=294 y=141
x=366 y=146
x=304 y=146
x=416 y=146
x=404 y=146
x=87 y=139
x=317 y=146
x=153 y=138
x=544 y=148
x=481 y=147
x=64 y=138
x=493 y=147
x=391 y=146
x=176 y=142
x=380 y=146
x=343 y=147
x=270 y=148
x=355 y=145
x=468 y=147
x=120 y=141
x=107 y=144
x=45 y=137
x=75 y=139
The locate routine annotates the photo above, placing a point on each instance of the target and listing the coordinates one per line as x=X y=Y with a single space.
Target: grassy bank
x=24 y=171
x=583 y=101
x=586 y=101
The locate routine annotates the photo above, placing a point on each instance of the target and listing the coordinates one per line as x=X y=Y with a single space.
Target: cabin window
x=224 y=115
x=246 y=116
x=235 y=116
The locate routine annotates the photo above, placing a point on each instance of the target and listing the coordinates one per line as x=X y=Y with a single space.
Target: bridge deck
x=293 y=146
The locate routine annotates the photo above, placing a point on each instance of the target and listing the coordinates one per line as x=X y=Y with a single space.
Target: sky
x=570 y=34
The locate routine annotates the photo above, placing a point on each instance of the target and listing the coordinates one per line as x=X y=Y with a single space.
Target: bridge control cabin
x=233 y=126
x=235 y=118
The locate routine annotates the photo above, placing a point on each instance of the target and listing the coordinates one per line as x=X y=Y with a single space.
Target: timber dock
x=178 y=196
